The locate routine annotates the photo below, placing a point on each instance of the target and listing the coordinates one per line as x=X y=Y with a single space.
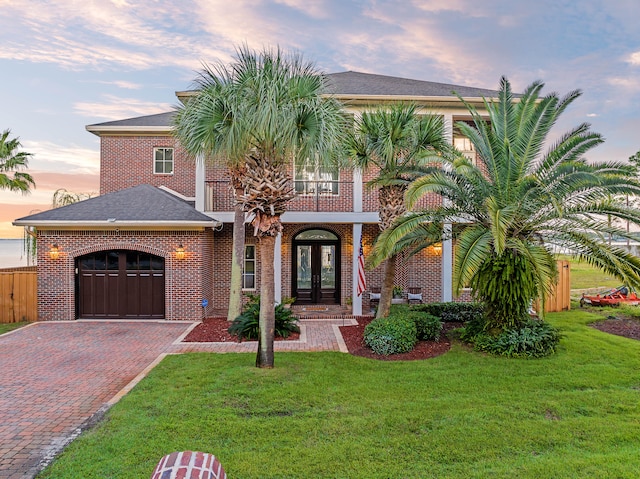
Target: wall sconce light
x=54 y=252
x=180 y=252
x=437 y=248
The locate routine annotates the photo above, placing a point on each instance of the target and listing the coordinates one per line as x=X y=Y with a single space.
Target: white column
x=357 y=190
x=447 y=264
x=357 y=300
x=277 y=269
x=447 y=243
x=200 y=175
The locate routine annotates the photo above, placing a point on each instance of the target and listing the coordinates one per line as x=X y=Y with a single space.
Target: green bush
x=246 y=326
x=391 y=335
x=535 y=339
x=452 y=312
x=428 y=327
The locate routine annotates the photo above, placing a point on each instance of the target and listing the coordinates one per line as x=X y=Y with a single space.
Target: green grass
x=316 y=415
x=6 y=327
x=584 y=276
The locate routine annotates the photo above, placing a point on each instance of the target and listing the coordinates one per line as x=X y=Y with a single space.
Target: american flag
x=362 y=279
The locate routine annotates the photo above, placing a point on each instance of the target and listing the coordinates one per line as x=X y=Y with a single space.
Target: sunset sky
x=69 y=63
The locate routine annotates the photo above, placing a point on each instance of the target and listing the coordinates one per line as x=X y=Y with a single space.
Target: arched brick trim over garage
x=187 y=281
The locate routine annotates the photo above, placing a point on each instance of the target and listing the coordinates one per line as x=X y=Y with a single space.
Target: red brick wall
x=187 y=281
x=127 y=161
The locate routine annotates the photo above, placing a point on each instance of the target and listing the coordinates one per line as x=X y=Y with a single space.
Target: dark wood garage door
x=120 y=284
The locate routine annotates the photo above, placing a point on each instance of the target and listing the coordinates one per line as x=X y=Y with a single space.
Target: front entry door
x=316 y=272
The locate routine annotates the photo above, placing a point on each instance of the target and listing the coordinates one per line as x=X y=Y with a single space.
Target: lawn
x=332 y=415
x=6 y=327
x=587 y=277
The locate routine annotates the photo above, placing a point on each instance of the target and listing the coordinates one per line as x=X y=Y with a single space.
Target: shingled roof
x=139 y=206
x=356 y=83
x=344 y=85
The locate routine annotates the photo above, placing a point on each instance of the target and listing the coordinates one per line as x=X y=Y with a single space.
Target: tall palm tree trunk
x=265 y=358
x=237 y=256
x=391 y=207
x=386 y=293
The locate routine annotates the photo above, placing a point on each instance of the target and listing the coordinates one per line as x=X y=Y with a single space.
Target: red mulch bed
x=353 y=338
x=628 y=328
x=214 y=330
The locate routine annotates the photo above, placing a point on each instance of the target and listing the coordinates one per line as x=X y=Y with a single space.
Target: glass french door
x=316 y=272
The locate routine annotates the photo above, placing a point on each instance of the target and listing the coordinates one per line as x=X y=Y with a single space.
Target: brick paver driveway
x=55 y=376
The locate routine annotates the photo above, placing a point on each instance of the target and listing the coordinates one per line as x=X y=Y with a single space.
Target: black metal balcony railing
x=326 y=196
x=314 y=196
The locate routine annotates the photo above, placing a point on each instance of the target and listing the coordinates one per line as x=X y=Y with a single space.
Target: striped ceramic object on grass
x=189 y=465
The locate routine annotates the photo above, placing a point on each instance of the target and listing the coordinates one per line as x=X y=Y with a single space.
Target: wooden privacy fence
x=560 y=300
x=18 y=294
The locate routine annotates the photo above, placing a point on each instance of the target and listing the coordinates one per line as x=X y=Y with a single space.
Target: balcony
x=313 y=196
x=310 y=196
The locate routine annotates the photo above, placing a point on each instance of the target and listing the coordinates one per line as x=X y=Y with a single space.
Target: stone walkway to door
x=56 y=378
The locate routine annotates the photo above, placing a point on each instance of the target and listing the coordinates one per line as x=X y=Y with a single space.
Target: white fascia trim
x=309 y=217
x=175 y=193
x=130 y=130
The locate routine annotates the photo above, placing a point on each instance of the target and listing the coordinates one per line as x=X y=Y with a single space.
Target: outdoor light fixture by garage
x=54 y=252
x=437 y=248
x=180 y=252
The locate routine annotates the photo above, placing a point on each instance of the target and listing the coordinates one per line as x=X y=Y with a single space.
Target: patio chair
x=374 y=296
x=414 y=296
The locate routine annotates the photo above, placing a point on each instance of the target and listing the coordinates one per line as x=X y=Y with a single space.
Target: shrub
x=391 y=335
x=452 y=312
x=535 y=339
x=428 y=327
x=247 y=325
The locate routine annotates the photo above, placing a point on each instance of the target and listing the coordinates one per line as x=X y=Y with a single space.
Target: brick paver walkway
x=57 y=377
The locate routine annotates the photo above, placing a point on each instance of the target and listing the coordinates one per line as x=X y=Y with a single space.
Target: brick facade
x=187 y=281
x=127 y=161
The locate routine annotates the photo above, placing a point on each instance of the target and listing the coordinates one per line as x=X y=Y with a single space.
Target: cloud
x=634 y=59
x=631 y=84
x=49 y=156
x=117 y=108
x=123 y=84
x=313 y=8
x=138 y=35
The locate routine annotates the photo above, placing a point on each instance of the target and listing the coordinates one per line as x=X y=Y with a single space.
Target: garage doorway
x=120 y=284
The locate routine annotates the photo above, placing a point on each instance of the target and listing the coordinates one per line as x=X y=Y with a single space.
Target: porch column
x=277 y=269
x=200 y=182
x=447 y=243
x=357 y=190
x=356 y=300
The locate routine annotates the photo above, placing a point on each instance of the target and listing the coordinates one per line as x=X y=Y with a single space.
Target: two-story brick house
x=157 y=241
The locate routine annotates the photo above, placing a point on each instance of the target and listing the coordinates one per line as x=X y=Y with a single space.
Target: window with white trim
x=163 y=161
x=249 y=267
x=312 y=179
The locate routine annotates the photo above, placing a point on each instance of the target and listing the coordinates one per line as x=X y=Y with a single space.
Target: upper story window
x=163 y=161
x=311 y=180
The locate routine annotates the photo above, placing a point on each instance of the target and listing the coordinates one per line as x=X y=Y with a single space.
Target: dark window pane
x=100 y=262
x=87 y=262
x=112 y=260
x=144 y=261
x=132 y=260
x=157 y=263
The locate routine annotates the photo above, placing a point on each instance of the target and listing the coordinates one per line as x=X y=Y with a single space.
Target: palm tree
x=521 y=204
x=12 y=160
x=256 y=115
x=397 y=143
